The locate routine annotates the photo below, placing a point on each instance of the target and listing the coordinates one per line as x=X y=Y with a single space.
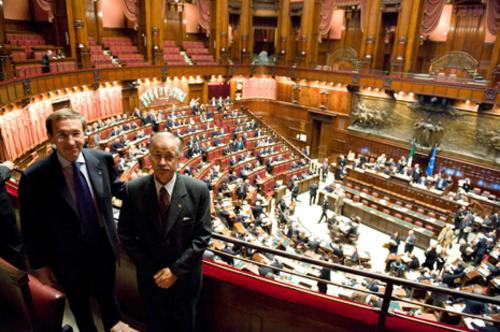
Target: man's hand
x=9 y=164
x=46 y=276
x=165 y=278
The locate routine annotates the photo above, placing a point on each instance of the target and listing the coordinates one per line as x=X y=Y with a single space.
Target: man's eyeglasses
x=64 y=135
x=168 y=157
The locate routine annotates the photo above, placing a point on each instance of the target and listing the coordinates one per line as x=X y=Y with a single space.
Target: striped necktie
x=164 y=203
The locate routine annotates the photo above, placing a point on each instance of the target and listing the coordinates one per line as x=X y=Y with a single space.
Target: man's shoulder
x=191 y=182
x=39 y=166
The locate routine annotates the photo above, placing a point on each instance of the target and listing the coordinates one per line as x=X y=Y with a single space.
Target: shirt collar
x=169 y=186
x=65 y=163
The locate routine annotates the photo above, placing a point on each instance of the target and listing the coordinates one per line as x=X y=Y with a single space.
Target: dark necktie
x=164 y=203
x=86 y=207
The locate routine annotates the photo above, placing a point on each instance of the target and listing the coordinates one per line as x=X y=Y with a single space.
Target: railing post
x=385 y=307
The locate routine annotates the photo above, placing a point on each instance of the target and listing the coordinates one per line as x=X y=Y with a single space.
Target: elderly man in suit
x=165 y=227
x=67 y=220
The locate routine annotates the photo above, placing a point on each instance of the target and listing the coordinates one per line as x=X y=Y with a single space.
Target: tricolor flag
x=411 y=153
x=430 y=167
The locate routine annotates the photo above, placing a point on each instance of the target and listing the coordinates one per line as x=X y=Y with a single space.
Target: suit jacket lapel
x=150 y=204
x=61 y=185
x=176 y=204
x=95 y=171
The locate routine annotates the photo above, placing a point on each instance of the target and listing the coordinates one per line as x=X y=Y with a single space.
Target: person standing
x=445 y=238
x=165 y=226
x=324 y=169
x=46 y=62
x=11 y=244
x=339 y=202
x=410 y=242
x=67 y=220
x=313 y=193
x=295 y=191
x=326 y=205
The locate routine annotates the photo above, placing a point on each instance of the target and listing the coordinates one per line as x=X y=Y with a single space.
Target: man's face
x=164 y=158
x=68 y=137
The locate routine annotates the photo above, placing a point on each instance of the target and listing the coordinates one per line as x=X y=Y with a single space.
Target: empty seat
x=443 y=218
x=387 y=211
x=365 y=190
x=398 y=216
x=477 y=191
x=356 y=198
x=431 y=215
x=365 y=202
x=408 y=206
x=408 y=220
x=386 y=198
x=348 y=184
x=419 y=223
x=375 y=194
x=348 y=195
x=429 y=228
x=373 y=206
x=357 y=188
x=421 y=210
x=399 y=203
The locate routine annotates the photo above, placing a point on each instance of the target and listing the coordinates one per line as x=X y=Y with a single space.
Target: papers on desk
x=383 y=202
x=458 y=307
x=483 y=272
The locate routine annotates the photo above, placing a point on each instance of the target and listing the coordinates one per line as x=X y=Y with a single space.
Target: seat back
x=28 y=304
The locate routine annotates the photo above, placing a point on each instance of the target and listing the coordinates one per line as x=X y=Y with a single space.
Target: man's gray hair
x=166 y=135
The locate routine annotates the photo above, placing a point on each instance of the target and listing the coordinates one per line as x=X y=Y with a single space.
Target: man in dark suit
x=313 y=193
x=11 y=245
x=67 y=220
x=165 y=227
x=46 y=62
x=416 y=174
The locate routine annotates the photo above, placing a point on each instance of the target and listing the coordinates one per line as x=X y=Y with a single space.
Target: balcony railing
x=391 y=283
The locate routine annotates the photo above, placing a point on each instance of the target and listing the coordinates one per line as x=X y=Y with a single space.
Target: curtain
x=94 y=105
x=432 y=14
x=204 y=14
x=46 y=6
x=21 y=130
x=130 y=9
x=327 y=8
x=363 y=5
x=85 y=104
x=493 y=16
x=259 y=88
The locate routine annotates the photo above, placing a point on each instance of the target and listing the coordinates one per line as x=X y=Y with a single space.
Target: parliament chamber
x=383 y=114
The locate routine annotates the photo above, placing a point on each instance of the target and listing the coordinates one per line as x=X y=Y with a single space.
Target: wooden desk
x=381 y=221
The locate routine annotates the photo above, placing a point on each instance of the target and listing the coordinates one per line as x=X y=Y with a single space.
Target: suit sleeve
x=4 y=174
x=117 y=186
x=129 y=235
x=31 y=230
x=191 y=257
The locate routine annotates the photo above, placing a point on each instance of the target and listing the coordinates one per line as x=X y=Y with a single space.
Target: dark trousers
x=92 y=274
x=409 y=248
x=463 y=235
x=323 y=215
x=166 y=309
x=312 y=199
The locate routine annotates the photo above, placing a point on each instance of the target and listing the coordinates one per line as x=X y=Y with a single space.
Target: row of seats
x=168 y=43
x=96 y=49
x=171 y=50
x=123 y=49
x=130 y=57
x=36 y=69
x=194 y=51
x=189 y=44
x=174 y=57
x=120 y=41
x=25 y=39
x=91 y=41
